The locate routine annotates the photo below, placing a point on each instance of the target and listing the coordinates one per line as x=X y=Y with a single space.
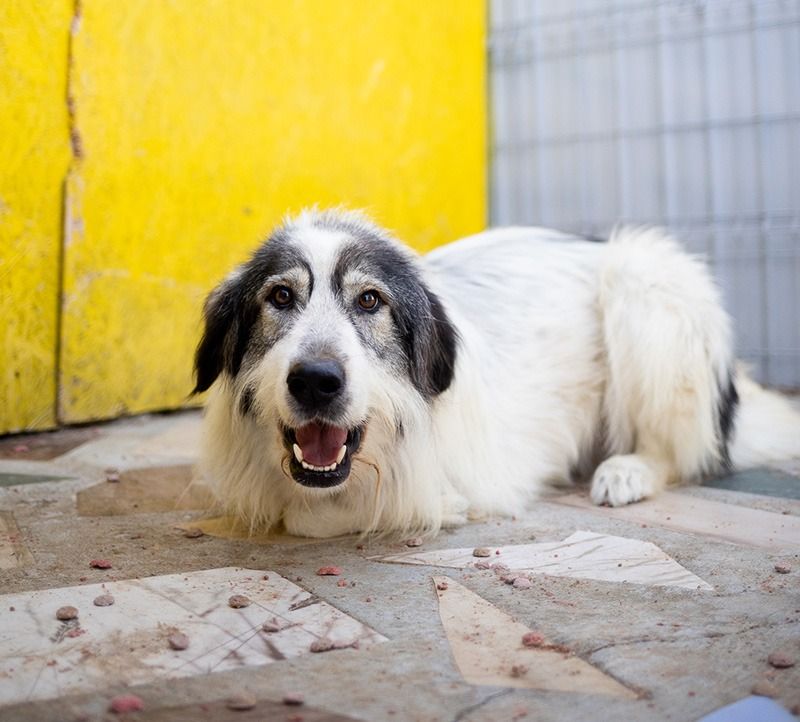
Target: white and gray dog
x=359 y=387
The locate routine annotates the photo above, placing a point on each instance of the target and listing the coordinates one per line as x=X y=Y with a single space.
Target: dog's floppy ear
x=433 y=349
x=227 y=328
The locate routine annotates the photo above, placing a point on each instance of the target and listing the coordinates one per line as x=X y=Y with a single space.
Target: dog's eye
x=281 y=297
x=369 y=301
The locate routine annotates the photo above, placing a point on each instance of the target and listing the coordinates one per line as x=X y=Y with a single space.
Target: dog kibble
x=532 y=639
x=126 y=703
x=322 y=645
x=329 y=571
x=242 y=701
x=782 y=568
x=100 y=564
x=764 y=688
x=239 y=601
x=104 y=600
x=415 y=542
x=65 y=614
x=271 y=626
x=781 y=659
x=518 y=670
x=293 y=699
x=178 y=641
x=481 y=552
x=522 y=583
x=193 y=533
x=441 y=586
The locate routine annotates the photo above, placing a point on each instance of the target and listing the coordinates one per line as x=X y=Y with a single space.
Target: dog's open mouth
x=321 y=454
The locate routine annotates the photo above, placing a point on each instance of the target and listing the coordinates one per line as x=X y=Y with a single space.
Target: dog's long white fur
x=575 y=359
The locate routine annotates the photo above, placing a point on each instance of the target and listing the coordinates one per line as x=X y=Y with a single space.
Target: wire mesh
x=681 y=113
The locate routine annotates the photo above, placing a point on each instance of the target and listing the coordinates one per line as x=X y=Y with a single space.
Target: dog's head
x=311 y=331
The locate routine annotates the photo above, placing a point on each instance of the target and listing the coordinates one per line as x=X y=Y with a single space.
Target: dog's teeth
x=342 y=452
x=298 y=453
x=311 y=467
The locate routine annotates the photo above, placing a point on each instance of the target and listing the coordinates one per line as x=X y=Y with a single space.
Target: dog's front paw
x=623 y=480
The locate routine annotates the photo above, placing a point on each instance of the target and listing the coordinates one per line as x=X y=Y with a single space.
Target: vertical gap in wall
x=488 y=121
x=66 y=220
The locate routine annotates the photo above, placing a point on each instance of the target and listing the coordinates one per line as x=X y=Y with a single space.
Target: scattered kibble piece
x=322 y=645
x=518 y=670
x=178 y=641
x=764 y=688
x=782 y=568
x=415 y=542
x=238 y=601
x=241 y=701
x=441 y=586
x=112 y=475
x=293 y=699
x=271 y=626
x=100 y=564
x=481 y=552
x=522 y=583
x=193 y=533
x=781 y=659
x=126 y=703
x=65 y=614
x=329 y=571
x=104 y=600
x=532 y=639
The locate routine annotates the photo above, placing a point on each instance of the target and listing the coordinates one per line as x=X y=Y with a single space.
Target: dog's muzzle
x=321 y=451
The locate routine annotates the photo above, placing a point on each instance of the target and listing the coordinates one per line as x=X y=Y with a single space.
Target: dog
x=359 y=387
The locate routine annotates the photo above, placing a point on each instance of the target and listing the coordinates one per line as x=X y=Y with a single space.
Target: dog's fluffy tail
x=767 y=427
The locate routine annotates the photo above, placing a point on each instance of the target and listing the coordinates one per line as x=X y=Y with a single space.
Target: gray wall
x=679 y=113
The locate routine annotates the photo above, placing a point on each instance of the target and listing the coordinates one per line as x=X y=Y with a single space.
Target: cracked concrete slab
x=582 y=555
x=690 y=651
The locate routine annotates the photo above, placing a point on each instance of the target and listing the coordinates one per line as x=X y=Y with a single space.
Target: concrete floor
x=682 y=653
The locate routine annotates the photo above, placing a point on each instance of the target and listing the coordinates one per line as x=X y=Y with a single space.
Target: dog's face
x=310 y=332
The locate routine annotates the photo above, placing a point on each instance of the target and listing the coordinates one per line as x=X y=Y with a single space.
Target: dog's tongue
x=320 y=443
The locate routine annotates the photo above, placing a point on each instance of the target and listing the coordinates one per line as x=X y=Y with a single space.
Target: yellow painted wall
x=198 y=123
x=34 y=152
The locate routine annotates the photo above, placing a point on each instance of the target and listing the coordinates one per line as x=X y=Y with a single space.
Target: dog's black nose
x=315 y=384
